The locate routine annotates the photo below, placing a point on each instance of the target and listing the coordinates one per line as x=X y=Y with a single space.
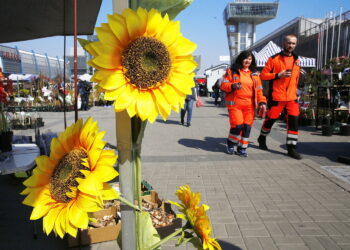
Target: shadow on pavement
x=168 y=121
x=16 y=230
x=209 y=144
x=228 y=246
x=270 y=150
x=330 y=150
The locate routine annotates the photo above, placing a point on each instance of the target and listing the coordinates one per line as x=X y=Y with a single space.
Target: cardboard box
x=100 y=234
x=167 y=230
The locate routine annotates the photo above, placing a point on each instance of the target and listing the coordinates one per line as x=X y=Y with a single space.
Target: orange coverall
x=283 y=94
x=241 y=104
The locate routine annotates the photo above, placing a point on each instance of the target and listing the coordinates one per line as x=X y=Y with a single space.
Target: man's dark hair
x=239 y=60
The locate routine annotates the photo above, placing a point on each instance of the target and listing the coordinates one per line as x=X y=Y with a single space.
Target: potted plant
x=5 y=132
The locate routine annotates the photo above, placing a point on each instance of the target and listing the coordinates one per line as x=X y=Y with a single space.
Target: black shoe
x=188 y=124
x=262 y=142
x=293 y=153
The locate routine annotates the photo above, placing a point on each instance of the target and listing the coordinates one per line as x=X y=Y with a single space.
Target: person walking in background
x=282 y=70
x=84 y=91
x=216 y=91
x=243 y=89
x=188 y=106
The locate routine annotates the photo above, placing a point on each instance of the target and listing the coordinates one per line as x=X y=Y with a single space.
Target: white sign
x=224 y=58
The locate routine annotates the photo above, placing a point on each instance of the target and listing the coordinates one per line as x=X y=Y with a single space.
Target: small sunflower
x=71 y=182
x=143 y=63
x=196 y=216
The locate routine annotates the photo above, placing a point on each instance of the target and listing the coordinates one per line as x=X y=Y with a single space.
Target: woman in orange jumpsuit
x=243 y=89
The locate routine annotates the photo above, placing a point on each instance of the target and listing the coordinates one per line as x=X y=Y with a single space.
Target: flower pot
x=327 y=130
x=6 y=141
x=311 y=122
x=345 y=130
x=326 y=121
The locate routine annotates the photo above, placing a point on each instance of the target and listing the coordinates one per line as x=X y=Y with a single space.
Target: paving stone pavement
x=265 y=201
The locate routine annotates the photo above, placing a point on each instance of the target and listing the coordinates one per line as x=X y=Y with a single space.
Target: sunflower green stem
x=170 y=236
x=125 y=201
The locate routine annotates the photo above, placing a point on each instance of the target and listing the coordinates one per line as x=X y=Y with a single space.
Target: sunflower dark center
x=147 y=62
x=65 y=174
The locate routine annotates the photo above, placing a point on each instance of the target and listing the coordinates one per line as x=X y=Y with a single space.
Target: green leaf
x=185 y=237
x=83 y=42
x=196 y=242
x=171 y=7
x=149 y=235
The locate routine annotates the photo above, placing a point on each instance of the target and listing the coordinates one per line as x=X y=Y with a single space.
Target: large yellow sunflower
x=196 y=216
x=143 y=63
x=71 y=182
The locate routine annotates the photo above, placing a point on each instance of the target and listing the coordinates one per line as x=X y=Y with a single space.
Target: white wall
x=213 y=76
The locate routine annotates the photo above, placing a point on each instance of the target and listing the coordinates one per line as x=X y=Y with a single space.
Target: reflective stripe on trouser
x=292 y=132
x=274 y=112
x=233 y=136
x=243 y=143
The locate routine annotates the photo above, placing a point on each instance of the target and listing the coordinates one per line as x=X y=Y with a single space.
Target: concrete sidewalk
x=265 y=201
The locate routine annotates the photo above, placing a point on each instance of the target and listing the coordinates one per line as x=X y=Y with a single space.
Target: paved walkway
x=266 y=201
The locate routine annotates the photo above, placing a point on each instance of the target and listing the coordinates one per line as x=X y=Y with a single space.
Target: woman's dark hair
x=239 y=61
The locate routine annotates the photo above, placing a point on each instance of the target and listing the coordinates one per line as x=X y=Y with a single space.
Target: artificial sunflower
x=71 y=182
x=196 y=216
x=143 y=63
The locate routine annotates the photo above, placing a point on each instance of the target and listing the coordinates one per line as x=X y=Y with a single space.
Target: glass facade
x=10 y=60
x=241 y=18
x=253 y=9
x=37 y=64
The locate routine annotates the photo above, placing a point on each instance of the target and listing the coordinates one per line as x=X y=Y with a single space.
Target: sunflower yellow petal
x=171 y=96
x=184 y=66
x=40 y=211
x=89 y=203
x=94 y=155
x=106 y=36
x=78 y=217
x=163 y=106
x=50 y=219
x=170 y=33
x=56 y=149
x=114 y=94
x=102 y=74
x=133 y=23
x=114 y=81
x=90 y=185
x=37 y=180
x=182 y=47
x=101 y=49
x=143 y=15
x=118 y=26
x=60 y=225
x=144 y=105
x=107 y=61
x=155 y=22
x=90 y=49
x=104 y=173
x=71 y=229
x=131 y=109
x=98 y=142
x=45 y=164
x=182 y=83
x=126 y=98
x=109 y=193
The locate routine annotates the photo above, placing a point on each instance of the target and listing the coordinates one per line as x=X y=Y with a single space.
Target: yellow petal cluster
x=91 y=189
x=111 y=74
x=196 y=215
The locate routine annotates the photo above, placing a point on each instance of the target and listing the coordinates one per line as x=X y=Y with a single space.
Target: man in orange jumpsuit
x=243 y=89
x=283 y=70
